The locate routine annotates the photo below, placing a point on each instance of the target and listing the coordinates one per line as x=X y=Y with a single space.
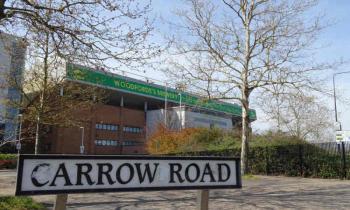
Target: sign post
x=66 y=174
x=60 y=202
x=203 y=200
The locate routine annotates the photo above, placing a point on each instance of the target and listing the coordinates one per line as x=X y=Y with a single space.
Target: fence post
x=301 y=163
x=203 y=200
x=343 y=159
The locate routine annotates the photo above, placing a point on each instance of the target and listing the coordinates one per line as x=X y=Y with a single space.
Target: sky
x=334 y=44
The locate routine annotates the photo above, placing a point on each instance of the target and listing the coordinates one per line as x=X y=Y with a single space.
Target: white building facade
x=177 y=118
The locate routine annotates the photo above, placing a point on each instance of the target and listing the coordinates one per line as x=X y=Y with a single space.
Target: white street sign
x=54 y=174
x=342 y=136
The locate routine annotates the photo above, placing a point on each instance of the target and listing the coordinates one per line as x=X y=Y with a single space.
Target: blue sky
x=337 y=37
x=334 y=39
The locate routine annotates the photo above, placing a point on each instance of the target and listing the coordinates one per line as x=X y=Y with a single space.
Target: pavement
x=261 y=192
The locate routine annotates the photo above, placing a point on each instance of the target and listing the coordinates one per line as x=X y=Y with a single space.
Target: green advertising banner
x=87 y=75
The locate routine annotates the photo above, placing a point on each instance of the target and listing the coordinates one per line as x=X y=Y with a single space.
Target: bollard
x=60 y=202
x=203 y=200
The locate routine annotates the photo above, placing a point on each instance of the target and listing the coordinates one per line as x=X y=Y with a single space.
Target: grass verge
x=19 y=203
x=249 y=177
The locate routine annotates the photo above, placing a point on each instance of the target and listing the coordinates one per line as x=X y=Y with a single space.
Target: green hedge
x=288 y=159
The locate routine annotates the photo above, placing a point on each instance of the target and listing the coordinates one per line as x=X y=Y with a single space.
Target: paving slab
x=262 y=192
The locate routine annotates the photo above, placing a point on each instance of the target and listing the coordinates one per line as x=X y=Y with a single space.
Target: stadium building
x=132 y=112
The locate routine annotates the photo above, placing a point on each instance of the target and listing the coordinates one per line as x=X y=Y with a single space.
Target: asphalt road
x=264 y=192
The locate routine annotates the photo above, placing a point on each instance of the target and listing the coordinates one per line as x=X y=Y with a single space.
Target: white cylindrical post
x=82 y=148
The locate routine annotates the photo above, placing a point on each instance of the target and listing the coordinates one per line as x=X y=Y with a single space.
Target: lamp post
x=82 y=141
x=340 y=128
x=18 y=146
x=335 y=98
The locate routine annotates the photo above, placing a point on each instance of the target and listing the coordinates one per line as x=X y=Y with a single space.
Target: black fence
x=323 y=160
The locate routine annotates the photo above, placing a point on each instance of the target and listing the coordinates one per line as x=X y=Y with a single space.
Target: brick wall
x=68 y=140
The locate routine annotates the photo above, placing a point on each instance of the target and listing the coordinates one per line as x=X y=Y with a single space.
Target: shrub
x=8 y=161
x=19 y=203
x=165 y=141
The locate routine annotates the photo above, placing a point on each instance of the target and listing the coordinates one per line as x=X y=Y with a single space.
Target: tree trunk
x=37 y=129
x=245 y=92
x=42 y=96
x=245 y=133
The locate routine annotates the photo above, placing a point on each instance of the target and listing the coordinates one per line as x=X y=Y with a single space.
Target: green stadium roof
x=126 y=84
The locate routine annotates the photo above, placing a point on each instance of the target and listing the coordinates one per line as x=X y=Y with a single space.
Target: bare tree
x=96 y=33
x=100 y=30
x=299 y=114
x=231 y=48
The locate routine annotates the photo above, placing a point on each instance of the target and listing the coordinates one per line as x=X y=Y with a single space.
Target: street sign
x=342 y=136
x=57 y=174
